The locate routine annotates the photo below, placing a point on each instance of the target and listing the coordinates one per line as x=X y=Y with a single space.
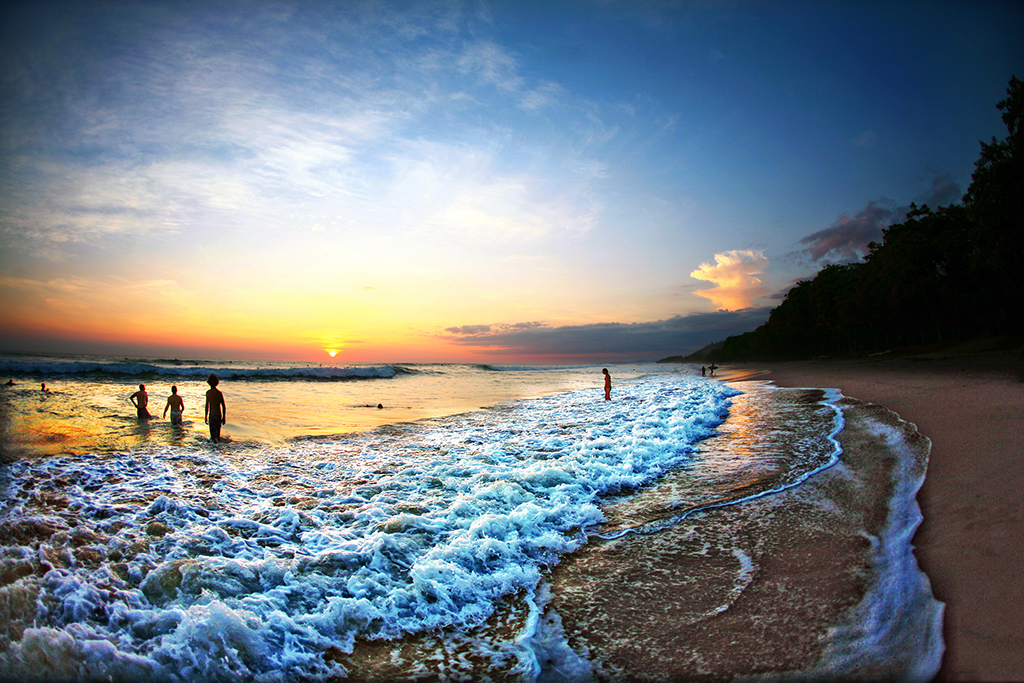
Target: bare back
x=215 y=408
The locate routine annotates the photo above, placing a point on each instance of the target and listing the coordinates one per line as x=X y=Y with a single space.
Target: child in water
x=216 y=412
x=176 y=406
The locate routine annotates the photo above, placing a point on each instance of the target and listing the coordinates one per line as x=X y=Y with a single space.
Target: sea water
x=386 y=522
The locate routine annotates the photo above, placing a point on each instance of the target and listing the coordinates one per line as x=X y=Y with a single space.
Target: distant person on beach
x=216 y=412
x=176 y=406
x=713 y=368
x=10 y=383
x=43 y=388
x=140 y=399
x=607 y=385
x=703 y=371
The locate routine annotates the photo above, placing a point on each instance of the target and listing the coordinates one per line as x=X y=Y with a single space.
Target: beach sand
x=971 y=542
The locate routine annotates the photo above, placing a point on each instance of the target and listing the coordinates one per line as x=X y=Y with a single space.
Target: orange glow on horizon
x=98 y=318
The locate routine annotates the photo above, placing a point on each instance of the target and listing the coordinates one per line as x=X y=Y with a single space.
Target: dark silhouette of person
x=607 y=385
x=216 y=412
x=703 y=371
x=713 y=368
x=140 y=399
x=176 y=406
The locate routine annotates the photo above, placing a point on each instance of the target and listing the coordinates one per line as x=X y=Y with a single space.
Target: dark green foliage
x=939 y=276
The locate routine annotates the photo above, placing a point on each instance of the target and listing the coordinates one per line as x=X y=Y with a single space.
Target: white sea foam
x=898 y=624
x=196 y=564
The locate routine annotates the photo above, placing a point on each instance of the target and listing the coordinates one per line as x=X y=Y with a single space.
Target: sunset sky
x=482 y=181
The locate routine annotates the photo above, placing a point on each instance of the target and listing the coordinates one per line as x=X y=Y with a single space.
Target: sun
x=332 y=353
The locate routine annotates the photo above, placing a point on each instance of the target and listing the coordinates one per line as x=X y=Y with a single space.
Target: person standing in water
x=140 y=399
x=216 y=412
x=607 y=385
x=176 y=406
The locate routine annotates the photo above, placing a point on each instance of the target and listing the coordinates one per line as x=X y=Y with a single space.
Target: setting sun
x=332 y=353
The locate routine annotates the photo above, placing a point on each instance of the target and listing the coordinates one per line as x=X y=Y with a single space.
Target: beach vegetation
x=942 y=275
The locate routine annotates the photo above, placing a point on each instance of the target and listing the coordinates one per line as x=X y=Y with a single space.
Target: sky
x=557 y=181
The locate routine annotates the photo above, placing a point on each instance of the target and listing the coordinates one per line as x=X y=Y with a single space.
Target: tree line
x=949 y=274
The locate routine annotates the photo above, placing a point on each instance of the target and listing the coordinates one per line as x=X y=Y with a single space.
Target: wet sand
x=971 y=542
x=677 y=605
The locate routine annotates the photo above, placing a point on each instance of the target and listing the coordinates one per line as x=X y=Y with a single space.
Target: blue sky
x=466 y=180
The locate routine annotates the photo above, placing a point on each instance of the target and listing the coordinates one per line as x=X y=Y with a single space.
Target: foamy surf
x=560 y=538
x=207 y=565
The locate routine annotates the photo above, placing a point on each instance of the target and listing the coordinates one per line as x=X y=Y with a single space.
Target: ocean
x=373 y=522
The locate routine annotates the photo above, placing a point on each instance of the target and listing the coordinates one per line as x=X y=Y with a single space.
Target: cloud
x=485 y=331
x=273 y=122
x=943 y=191
x=469 y=330
x=492 y=64
x=678 y=335
x=847 y=239
x=734 y=275
x=865 y=139
x=547 y=94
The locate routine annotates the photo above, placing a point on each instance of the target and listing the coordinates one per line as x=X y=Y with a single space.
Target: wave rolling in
x=470 y=545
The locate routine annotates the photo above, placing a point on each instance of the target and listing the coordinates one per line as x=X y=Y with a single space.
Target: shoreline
x=971 y=541
x=678 y=605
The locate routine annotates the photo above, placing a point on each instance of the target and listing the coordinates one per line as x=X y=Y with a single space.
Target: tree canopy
x=947 y=274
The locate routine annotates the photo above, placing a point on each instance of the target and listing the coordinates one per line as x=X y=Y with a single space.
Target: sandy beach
x=971 y=542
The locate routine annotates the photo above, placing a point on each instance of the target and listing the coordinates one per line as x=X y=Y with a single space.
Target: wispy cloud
x=865 y=139
x=734 y=274
x=847 y=239
x=492 y=64
x=242 y=124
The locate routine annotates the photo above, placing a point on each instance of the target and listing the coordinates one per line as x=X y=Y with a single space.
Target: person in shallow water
x=176 y=406
x=216 y=412
x=607 y=385
x=140 y=399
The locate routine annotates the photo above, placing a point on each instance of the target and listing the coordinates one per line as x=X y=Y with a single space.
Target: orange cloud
x=733 y=274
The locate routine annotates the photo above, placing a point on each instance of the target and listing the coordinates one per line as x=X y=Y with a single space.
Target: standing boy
x=140 y=399
x=176 y=406
x=216 y=412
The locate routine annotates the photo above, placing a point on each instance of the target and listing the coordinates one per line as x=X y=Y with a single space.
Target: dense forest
x=942 y=275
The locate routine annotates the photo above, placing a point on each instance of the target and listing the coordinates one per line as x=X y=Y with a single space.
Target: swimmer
x=607 y=385
x=176 y=405
x=216 y=412
x=140 y=399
